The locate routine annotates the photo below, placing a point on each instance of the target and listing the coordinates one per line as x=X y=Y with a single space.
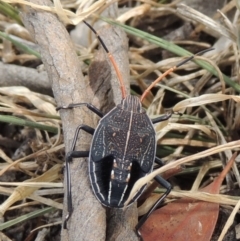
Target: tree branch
x=69 y=86
x=88 y=221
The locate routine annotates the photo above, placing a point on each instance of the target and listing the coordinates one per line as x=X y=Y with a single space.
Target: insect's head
x=132 y=103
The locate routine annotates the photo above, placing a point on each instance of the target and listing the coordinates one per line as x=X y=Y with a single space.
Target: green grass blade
x=25 y=217
x=8 y=10
x=21 y=122
x=21 y=46
x=171 y=47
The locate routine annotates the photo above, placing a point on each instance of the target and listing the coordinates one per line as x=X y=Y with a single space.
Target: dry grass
x=205 y=91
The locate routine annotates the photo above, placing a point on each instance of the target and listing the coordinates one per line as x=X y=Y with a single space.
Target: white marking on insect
x=128 y=133
x=109 y=191
x=94 y=174
x=95 y=181
x=128 y=177
x=123 y=195
x=112 y=174
x=130 y=166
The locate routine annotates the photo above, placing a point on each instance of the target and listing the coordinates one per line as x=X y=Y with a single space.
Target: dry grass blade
x=32 y=184
x=229 y=221
x=4 y=237
x=5 y=157
x=153 y=49
x=66 y=16
x=22 y=192
x=141 y=182
x=206 y=197
x=186 y=219
x=203 y=100
x=133 y=12
x=204 y=169
x=181 y=127
x=46 y=226
x=227 y=153
x=38 y=100
x=47 y=201
x=185 y=142
x=214 y=26
x=44 y=151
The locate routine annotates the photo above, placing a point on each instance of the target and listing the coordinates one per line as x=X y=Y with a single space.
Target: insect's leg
x=74 y=154
x=165 y=184
x=162 y=118
x=159 y=161
x=88 y=105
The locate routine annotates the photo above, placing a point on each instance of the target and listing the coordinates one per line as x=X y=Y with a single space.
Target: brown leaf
x=186 y=219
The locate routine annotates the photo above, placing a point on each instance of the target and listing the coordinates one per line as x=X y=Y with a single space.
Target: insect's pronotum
x=123 y=147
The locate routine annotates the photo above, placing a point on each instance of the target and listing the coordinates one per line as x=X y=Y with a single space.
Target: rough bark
x=15 y=75
x=88 y=221
x=69 y=86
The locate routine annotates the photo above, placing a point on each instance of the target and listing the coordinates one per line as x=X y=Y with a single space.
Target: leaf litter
x=191 y=90
x=186 y=219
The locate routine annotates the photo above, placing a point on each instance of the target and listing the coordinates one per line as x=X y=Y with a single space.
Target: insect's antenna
x=171 y=70
x=123 y=90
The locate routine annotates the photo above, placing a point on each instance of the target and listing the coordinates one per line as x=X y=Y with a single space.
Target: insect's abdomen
x=112 y=185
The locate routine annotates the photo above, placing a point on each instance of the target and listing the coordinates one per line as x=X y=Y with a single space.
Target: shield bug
x=123 y=148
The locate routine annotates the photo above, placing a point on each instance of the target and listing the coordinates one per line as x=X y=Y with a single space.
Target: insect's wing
x=142 y=142
x=125 y=136
x=110 y=136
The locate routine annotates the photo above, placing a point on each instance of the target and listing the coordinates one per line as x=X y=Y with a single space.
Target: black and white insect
x=123 y=148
